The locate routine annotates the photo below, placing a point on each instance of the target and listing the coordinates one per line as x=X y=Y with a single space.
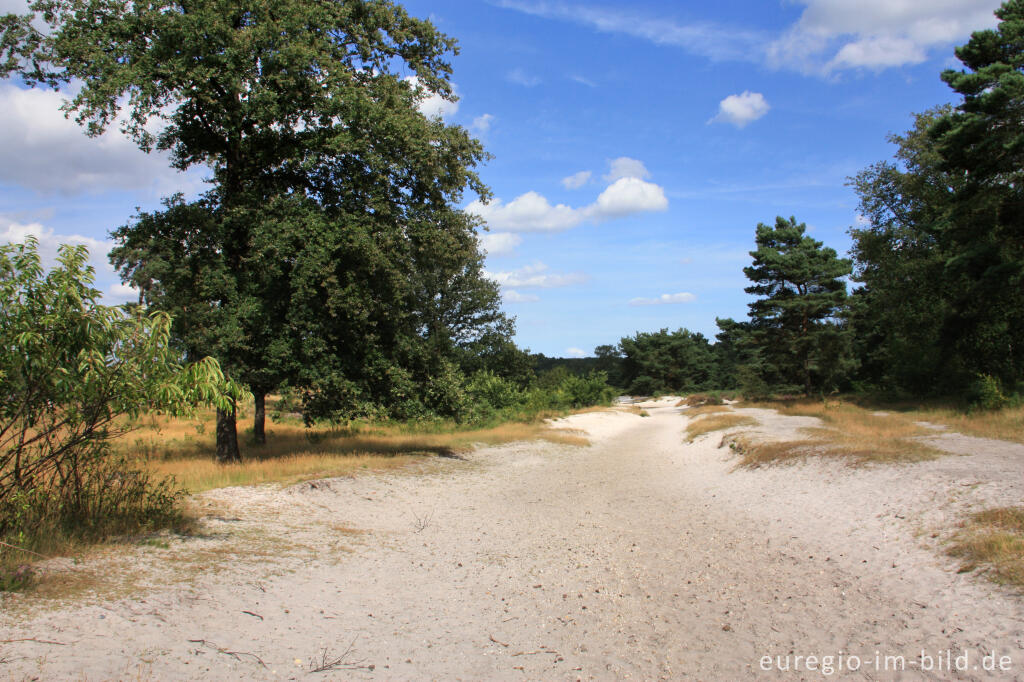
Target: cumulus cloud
x=536 y=276
x=45 y=152
x=520 y=77
x=573 y=352
x=576 y=180
x=513 y=296
x=482 y=124
x=530 y=212
x=627 y=194
x=739 y=110
x=683 y=297
x=432 y=104
x=832 y=35
x=13 y=232
x=625 y=167
x=500 y=243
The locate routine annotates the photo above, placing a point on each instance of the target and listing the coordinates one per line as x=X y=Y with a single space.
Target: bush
x=489 y=395
x=592 y=389
x=75 y=374
x=986 y=393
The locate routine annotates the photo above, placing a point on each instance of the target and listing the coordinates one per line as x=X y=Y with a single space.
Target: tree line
x=937 y=267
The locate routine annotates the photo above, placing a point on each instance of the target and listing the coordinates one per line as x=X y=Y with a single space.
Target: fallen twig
x=497 y=641
x=31 y=639
x=27 y=551
x=421 y=522
x=233 y=654
x=327 y=663
x=250 y=613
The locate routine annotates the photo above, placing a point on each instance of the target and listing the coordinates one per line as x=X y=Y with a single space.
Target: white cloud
x=625 y=167
x=513 y=296
x=500 y=243
x=742 y=109
x=121 y=293
x=536 y=276
x=45 y=152
x=573 y=352
x=583 y=81
x=876 y=34
x=576 y=180
x=683 y=297
x=706 y=39
x=482 y=124
x=520 y=77
x=13 y=232
x=626 y=196
x=532 y=212
x=432 y=104
x=830 y=35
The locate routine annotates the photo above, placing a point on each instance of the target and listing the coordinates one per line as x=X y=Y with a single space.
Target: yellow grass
x=715 y=422
x=699 y=399
x=185 y=449
x=849 y=431
x=705 y=409
x=993 y=540
x=1004 y=424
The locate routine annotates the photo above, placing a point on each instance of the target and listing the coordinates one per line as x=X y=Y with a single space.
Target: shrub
x=986 y=393
x=592 y=389
x=73 y=375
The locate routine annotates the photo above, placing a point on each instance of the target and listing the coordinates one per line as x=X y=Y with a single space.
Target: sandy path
x=638 y=557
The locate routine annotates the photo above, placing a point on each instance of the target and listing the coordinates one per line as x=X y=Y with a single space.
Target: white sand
x=638 y=557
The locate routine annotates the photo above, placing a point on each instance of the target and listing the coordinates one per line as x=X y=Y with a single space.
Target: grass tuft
x=715 y=422
x=855 y=433
x=993 y=540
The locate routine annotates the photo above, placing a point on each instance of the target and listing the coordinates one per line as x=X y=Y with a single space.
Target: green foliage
x=986 y=393
x=664 y=362
x=72 y=374
x=329 y=253
x=940 y=259
x=797 y=323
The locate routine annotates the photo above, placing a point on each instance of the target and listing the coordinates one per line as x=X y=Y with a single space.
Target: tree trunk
x=227 y=437
x=259 y=419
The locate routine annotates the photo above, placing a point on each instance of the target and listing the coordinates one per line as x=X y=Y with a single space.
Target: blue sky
x=636 y=146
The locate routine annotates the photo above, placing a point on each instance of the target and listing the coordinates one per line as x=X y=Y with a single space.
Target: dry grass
x=705 y=409
x=993 y=540
x=1004 y=424
x=716 y=422
x=184 y=449
x=698 y=400
x=860 y=435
